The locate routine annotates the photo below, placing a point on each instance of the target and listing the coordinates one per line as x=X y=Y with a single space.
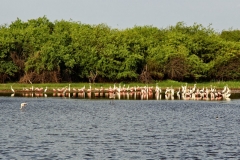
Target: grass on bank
x=163 y=84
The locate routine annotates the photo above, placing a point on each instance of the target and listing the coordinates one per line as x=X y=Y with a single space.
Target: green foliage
x=197 y=69
x=231 y=35
x=7 y=68
x=72 y=51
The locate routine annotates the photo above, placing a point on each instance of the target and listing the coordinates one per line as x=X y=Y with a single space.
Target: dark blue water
x=63 y=128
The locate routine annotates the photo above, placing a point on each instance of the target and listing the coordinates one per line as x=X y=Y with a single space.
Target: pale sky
x=221 y=14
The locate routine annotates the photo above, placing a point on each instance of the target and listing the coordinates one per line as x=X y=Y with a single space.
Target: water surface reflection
x=63 y=128
x=124 y=96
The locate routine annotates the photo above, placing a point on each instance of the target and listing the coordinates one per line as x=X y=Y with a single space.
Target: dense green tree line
x=42 y=51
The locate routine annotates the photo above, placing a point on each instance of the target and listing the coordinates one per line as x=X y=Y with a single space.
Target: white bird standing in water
x=23 y=105
x=12 y=90
x=45 y=90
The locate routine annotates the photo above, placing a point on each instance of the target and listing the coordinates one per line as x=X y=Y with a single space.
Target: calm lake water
x=72 y=128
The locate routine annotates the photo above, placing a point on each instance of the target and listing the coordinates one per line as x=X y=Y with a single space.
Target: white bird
x=178 y=93
x=112 y=96
x=23 y=105
x=12 y=90
x=69 y=88
x=45 y=90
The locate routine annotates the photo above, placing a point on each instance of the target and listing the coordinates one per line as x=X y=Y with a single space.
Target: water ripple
x=94 y=129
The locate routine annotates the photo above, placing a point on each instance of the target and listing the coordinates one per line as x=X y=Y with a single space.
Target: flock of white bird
x=183 y=92
x=195 y=93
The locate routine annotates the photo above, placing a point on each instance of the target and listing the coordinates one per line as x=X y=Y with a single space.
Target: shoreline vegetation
x=234 y=86
x=41 y=51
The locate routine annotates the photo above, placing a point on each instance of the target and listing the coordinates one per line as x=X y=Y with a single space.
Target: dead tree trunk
x=145 y=76
x=92 y=77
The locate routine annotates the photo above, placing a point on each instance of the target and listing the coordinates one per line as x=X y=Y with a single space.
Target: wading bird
x=12 y=90
x=23 y=105
x=45 y=90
